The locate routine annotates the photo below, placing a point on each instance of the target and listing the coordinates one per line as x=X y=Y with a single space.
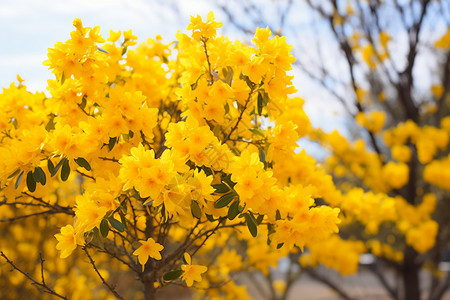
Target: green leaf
x=123 y=207
x=280 y=245
x=122 y=218
x=169 y=276
x=124 y=50
x=221 y=188
x=83 y=163
x=15 y=123
x=259 y=219
x=51 y=124
x=39 y=175
x=278 y=215
x=163 y=212
x=257 y=131
x=56 y=169
x=50 y=167
x=260 y=104
x=229 y=181
x=251 y=224
x=65 y=170
x=229 y=78
x=227 y=110
x=18 y=180
x=224 y=200
x=104 y=228
x=116 y=224
x=233 y=211
x=270 y=229
x=112 y=143
x=250 y=84
x=102 y=50
x=262 y=156
x=31 y=183
x=183 y=259
x=148 y=203
x=82 y=105
x=194 y=85
x=210 y=218
x=253 y=217
x=14 y=174
x=196 y=210
x=63 y=78
x=97 y=239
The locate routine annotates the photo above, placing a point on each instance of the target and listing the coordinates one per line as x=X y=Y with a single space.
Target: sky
x=29 y=27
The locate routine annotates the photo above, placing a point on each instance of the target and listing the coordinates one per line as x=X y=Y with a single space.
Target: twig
x=239 y=118
x=85 y=175
x=42 y=284
x=382 y=279
x=109 y=159
x=211 y=77
x=50 y=212
x=328 y=282
x=100 y=275
x=66 y=209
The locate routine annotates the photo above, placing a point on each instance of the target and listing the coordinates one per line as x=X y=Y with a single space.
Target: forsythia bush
x=175 y=163
x=152 y=154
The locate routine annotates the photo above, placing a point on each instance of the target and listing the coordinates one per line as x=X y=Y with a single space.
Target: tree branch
x=100 y=275
x=45 y=288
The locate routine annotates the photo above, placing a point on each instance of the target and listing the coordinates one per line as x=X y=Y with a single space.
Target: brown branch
x=56 y=206
x=12 y=219
x=446 y=85
x=85 y=175
x=45 y=288
x=100 y=275
x=328 y=282
x=444 y=286
x=109 y=159
x=211 y=77
x=382 y=279
x=240 y=117
x=232 y=20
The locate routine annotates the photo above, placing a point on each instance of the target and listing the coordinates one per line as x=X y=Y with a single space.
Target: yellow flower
x=401 y=153
x=397 y=174
x=373 y=120
x=67 y=241
x=191 y=272
x=423 y=237
x=369 y=56
x=437 y=90
x=203 y=29
x=149 y=248
x=444 y=41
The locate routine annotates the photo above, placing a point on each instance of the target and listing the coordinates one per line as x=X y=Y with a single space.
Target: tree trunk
x=149 y=290
x=410 y=274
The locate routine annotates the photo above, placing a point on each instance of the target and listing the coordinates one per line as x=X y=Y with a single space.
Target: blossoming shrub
x=175 y=164
x=145 y=156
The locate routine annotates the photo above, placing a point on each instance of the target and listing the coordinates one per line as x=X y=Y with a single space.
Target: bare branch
x=328 y=282
x=42 y=285
x=47 y=212
x=113 y=291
